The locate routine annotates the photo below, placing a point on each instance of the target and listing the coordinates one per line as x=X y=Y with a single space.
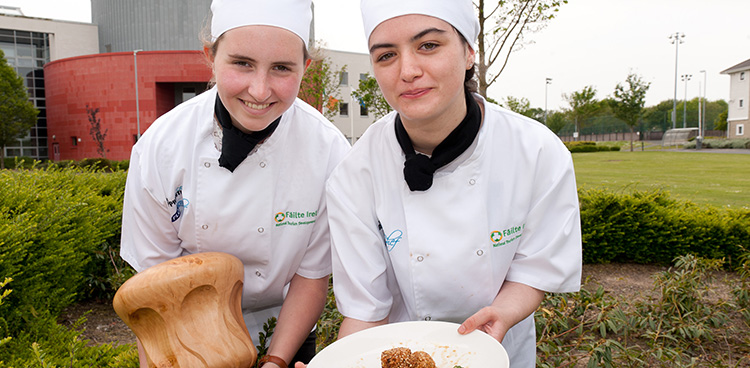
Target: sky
x=589 y=43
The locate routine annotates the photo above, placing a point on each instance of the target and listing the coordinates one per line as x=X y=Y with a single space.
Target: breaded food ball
x=395 y=358
x=420 y=359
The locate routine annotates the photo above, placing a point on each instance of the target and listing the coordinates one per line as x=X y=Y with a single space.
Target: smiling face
x=420 y=63
x=258 y=70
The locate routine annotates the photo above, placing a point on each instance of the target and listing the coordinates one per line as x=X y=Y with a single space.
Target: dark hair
x=470 y=84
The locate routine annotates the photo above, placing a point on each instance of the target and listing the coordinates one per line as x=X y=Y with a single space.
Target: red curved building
x=76 y=87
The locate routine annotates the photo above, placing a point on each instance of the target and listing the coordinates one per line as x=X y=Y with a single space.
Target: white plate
x=439 y=339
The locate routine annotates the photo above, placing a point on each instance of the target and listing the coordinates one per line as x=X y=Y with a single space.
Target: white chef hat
x=292 y=15
x=459 y=13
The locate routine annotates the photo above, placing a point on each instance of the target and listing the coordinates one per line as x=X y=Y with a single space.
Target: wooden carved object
x=187 y=312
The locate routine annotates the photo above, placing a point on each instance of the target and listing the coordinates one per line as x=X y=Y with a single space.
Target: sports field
x=719 y=179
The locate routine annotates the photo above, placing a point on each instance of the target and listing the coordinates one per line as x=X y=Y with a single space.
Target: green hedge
x=650 y=227
x=52 y=224
x=588 y=146
x=721 y=144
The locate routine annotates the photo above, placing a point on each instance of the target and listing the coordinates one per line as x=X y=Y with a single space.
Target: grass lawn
x=719 y=179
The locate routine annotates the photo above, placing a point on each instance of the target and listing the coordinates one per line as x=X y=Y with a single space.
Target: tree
x=556 y=121
x=17 y=113
x=502 y=27
x=320 y=86
x=523 y=107
x=96 y=130
x=368 y=93
x=583 y=106
x=628 y=102
x=721 y=121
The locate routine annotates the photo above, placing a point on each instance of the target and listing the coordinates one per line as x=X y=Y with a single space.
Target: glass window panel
x=7 y=39
x=41 y=103
x=42 y=117
x=29 y=152
x=24 y=50
x=38 y=83
x=26 y=62
x=6 y=32
x=13 y=152
x=8 y=49
x=43 y=151
x=24 y=72
x=40 y=63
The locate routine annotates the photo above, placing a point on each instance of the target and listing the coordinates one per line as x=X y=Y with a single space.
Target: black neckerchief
x=235 y=144
x=418 y=168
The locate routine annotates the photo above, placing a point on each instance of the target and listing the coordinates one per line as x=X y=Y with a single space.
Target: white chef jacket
x=506 y=209
x=270 y=212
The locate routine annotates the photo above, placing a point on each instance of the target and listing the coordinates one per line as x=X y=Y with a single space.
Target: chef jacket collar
x=419 y=169
x=236 y=145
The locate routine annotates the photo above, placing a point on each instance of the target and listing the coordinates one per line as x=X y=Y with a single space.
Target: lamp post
x=704 y=103
x=547 y=83
x=685 y=78
x=351 y=107
x=677 y=39
x=137 y=106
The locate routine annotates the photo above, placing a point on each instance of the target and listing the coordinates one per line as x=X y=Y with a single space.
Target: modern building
x=738 y=118
x=29 y=44
x=353 y=118
x=99 y=86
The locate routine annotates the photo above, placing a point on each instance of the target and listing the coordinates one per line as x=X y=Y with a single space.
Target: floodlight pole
x=685 y=78
x=677 y=39
x=547 y=83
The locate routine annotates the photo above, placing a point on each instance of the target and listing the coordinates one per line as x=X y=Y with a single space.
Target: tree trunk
x=631 y=138
x=2 y=158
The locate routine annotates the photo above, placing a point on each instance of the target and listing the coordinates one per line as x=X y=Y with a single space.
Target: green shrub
x=588 y=146
x=650 y=227
x=52 y=221
x=44 y=343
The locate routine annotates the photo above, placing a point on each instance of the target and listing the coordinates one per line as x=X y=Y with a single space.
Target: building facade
x=99 y=86
x=738 y=116
x=101 y=89
x=29 y=44
x=353 y=118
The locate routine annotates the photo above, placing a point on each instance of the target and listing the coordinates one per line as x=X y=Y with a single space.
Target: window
x=344 y=109
x=742 y=75
x=74 y=140
x=742 y=103
x=344 y=79
x=362 y=110
x=740 y=129
x=362 y=76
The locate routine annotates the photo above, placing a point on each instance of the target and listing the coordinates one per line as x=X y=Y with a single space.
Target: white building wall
x=738 y=115
x=354 y=124
x=739 y=95
x=67 y=39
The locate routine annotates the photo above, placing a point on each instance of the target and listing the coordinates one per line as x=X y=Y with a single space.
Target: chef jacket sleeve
x=549 y=255
x=148 y=235
x=317 y=261
x=360 y=281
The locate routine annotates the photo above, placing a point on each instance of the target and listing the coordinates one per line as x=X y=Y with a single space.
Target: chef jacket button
x=420 y=258
x=472 y=181
x=428 y=318
x=257 y=273
x=204 y=227
x=262 y=164
x=207 y=164
x=261 y=230
x=480 y=252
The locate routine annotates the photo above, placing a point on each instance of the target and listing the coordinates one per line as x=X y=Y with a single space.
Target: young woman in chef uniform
x=241 y=169
x=450 y=208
